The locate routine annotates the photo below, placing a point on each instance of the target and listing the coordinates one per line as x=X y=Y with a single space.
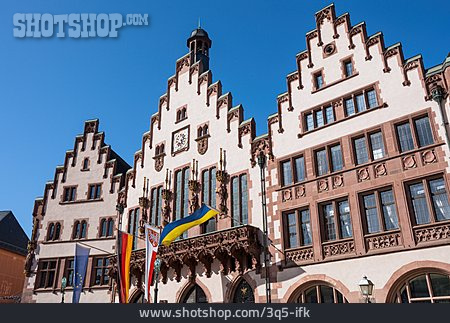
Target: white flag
x=151 y=246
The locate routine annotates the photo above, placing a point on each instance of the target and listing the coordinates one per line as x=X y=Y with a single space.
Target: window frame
x=298 y=227
x=97 y=191
x=155 y=219
x=239 y=194
x=47 y=270
x=336 y=218
x=411 y=120
x=292 y=161
x=329 y=160
x=366 y=101
x=313 y=113
x=104 y=268
x=369 y=146
x=69 y=194
x=211 y=195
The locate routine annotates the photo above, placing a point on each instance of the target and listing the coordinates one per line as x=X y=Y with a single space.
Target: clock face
x=180 y=140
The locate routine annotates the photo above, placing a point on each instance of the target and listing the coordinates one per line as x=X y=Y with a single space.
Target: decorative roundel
x=329 y=49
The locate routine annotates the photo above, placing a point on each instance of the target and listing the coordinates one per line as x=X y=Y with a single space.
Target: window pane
x=440 y=284
x=424 y=131
x=345 y=221
x=404 y=137
x=360 y=103
x=389 y=212
x=419 y=203
x=361 y=151
x=319 y=118
x=319 y=81
x=74 y=192
x=178 y=193
x=309 y=122
x=103 y=230
x=306 y=227
x=287 y=172
x=154 y=202
x=377 y=145
x=291 y=220
x=328 y=214
x=348 y=68
x=321 y=160
x=299 y=169
x=159 y=208
x=235 y=200
x=440 y=199
x=244 y=199
x=205 y=187
x=326 y=294
x=311 y=295
x=370 y=207
x=349 y=107
x=213 y=188
x=336 y=158
x=418 y=287
x=372 y=98
x=186 y=195
x=329 y=114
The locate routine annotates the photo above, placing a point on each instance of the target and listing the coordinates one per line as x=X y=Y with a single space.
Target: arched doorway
x=318 y=292
x=194 y=294
x=243 y=293
x=431 y=286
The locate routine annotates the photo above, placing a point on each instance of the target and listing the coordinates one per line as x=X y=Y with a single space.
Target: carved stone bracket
x=194 y=188
x=222 y=190
x=166 y=210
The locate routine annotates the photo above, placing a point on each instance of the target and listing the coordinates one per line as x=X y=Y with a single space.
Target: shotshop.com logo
x=75 y=25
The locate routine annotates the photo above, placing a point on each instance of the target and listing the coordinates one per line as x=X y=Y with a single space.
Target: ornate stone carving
x=388 y=240
x=194 y=188
x=429 y=156
x=183 y=62
x=409 y=162
x=338 y=248
x=286 y=195
x=222 y=178
x=300 y=191
x=326 y=13
x=322 y=185
x=380 y=170
x=300 y=255
x=338 y=181
x=202 y=144
x=159 y=162
x=432 y=233
x=363 y=174
x=167 y=198
x=263 y=144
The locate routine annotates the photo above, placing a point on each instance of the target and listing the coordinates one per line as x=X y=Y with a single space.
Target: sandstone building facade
x=356 y=182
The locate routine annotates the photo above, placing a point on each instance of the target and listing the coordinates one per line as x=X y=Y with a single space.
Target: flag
x=174 y=229
x=151 y=248
x=123 y=262
x=80 y=266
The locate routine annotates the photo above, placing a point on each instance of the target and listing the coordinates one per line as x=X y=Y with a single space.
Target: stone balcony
x=236 y=249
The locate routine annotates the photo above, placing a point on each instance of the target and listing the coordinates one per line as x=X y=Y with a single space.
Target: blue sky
x=48 y=87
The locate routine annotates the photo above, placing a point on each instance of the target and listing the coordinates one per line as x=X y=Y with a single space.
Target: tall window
x=319 y=117
x=94 y=191
x=336 y=220
x=79 y=229
x=327 y=159
x=425 y=288
x=293 y=170
x=133 y=225
x=329 y=114
x=363 y=154
x=423 y=135
x=181 y=198
x=321 y=294
x=361 y=150
x=360 y=103
x=297 y=228
x=70 y=263
x=349 y=107
x=100 y=272
x=380 y=211
x=348 y=66
x=69 y=194
x=106 y=227
x=372 y=98
x=209 y=197
x=85 y=164
x=195 y=295
x=46 y=273
x=309 y=122
x=319 y=80
x=428 y=200
x=239 y=200
x=53 y=231
x=156 y=206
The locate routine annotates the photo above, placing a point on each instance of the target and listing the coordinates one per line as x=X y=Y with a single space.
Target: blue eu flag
x=80 y=265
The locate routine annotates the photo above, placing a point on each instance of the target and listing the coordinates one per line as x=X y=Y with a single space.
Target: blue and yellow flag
x=80 y=266
x=174 y=229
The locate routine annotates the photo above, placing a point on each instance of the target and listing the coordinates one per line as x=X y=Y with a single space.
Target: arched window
x=57 y=231
x=83 y=229
x=161 y=149
x=76 y=230
x=205 y=129
x=157 y=151
x=110 y=229
x=320 y=294
x=243 y=293
x=200 y=132
x=424 y=288
x=103 y=228
x=195 y=295
x=51 y=231
x=85 y=163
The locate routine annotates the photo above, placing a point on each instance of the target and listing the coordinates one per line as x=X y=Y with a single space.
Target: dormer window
x=318 y=78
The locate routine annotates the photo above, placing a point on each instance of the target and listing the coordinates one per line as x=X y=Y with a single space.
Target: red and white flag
x=151 y=243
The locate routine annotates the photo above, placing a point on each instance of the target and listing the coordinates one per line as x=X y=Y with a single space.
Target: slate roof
x=12 y=236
